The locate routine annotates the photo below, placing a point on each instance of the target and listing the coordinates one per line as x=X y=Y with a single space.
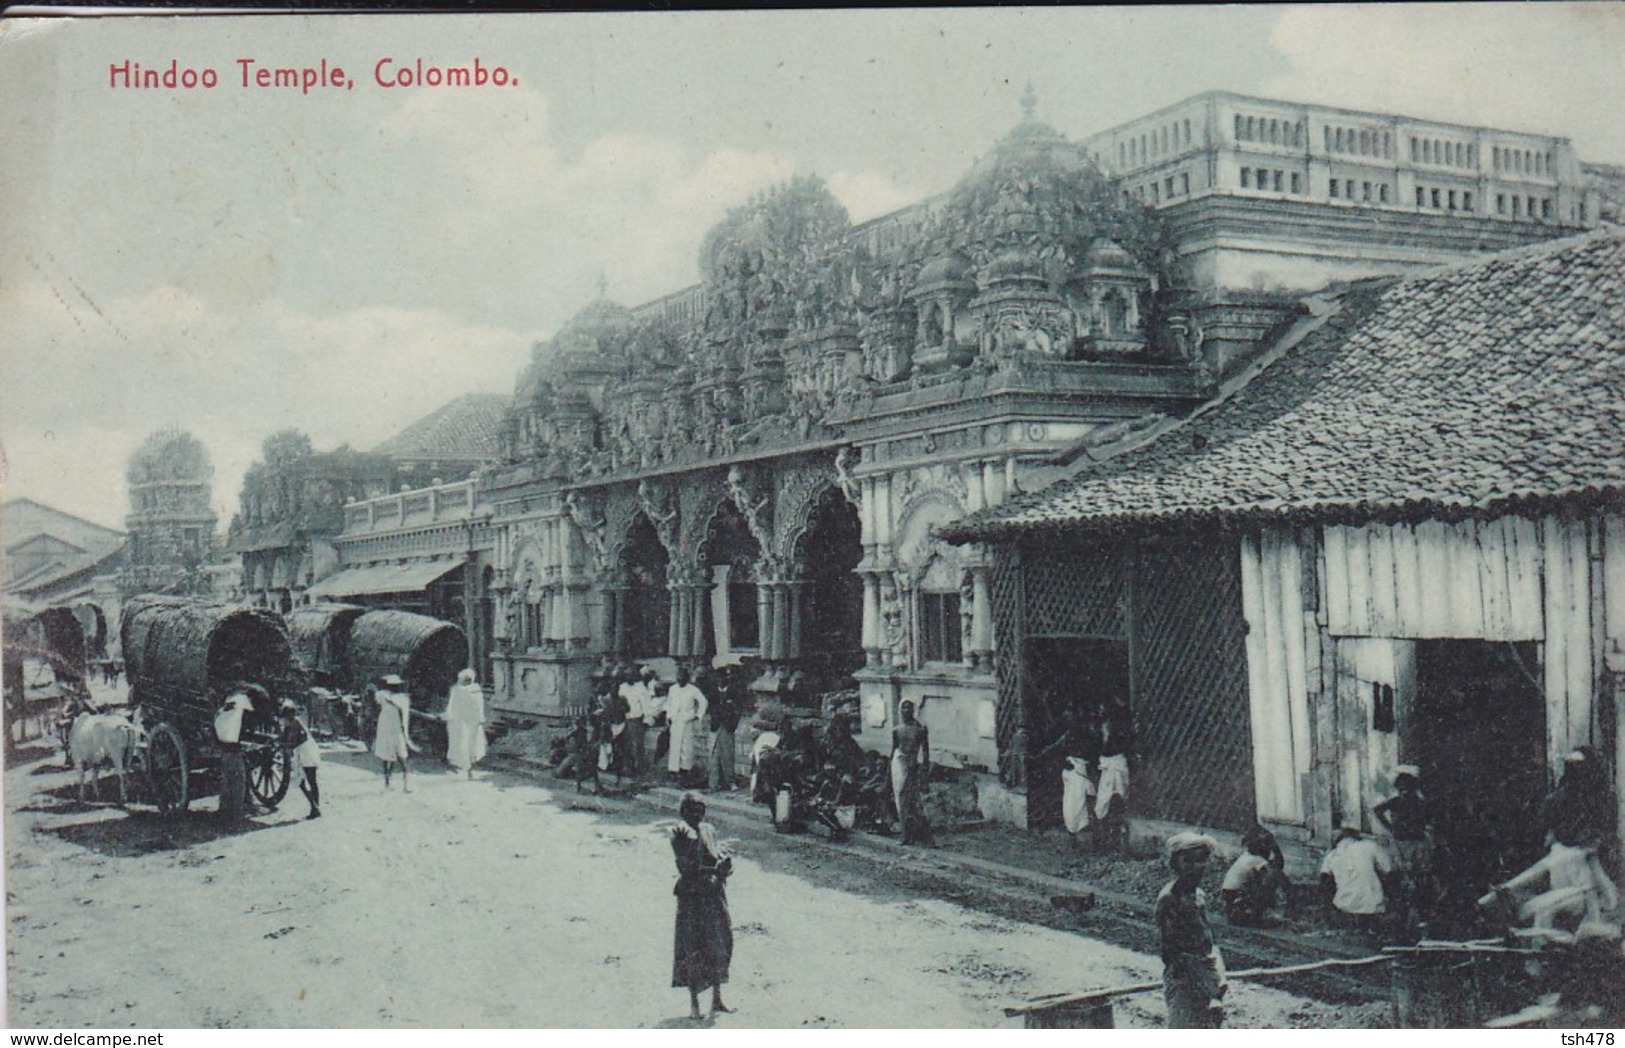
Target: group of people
x=392 y=744
x=1374 y=887
x=1094 y=751
x=636 y=720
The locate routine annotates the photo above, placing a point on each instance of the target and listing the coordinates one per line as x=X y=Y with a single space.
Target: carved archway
x=646 y=566
x=729 y=557
x=827 y=551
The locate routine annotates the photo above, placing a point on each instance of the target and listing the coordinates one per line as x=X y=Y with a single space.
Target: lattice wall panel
x=1006 y=596
x=1080 y=591
x=1190 y=665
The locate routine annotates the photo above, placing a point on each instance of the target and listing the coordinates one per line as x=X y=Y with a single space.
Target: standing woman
x=465 y=724
x=910 y=773
x=704 y=944
x=390 y=744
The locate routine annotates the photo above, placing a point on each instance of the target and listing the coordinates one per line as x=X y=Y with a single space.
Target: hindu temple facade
x=754 y=467
x=757 y=466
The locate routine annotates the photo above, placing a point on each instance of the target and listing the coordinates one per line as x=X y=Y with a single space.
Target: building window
x=1333 y=191
x=1546 y=208
x=1516 y=207
x=1184 y=184
x=1466 y=201
x=1435 y=197
x=939 y=627
x=1247 y=178
x=1382 y=193
x=1297 y=182
x=1414 y=156
x=1328 y=139
x=533 y=625
x=1531 y=211
x=1168 y=186
x=1388 y=144
x=1500 y=203
x=1421 y=196
x=1238 y=127
x=1187 y=132
x=1365 y=191
x=1251 y=129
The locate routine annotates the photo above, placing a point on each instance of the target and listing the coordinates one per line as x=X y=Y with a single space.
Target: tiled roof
x=469 y=429
x=1464 y=390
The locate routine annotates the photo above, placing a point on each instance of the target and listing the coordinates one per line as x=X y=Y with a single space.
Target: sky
x=235 y=261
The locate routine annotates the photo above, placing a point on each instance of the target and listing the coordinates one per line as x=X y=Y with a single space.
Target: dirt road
x=491 y=903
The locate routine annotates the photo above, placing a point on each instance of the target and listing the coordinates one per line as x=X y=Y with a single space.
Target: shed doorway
x=1478 y=735
x=1070 y=682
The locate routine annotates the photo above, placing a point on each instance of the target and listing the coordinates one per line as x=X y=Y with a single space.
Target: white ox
x=97 y=740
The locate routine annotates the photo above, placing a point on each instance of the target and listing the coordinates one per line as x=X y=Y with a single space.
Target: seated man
x=1253 y=884
x=1352 y=876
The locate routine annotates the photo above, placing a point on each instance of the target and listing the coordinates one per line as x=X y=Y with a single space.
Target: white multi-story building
x=1267 y=194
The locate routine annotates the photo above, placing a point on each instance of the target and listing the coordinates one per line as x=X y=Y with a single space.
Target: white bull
x=97 y=740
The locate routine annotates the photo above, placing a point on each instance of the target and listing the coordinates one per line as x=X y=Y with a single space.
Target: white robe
x=685 y=706
x=465 y=726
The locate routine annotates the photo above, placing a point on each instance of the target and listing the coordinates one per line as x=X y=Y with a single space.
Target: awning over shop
x=384 y=578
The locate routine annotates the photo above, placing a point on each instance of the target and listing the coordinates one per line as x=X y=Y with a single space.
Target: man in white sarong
x=465 y=723
x=685 y=706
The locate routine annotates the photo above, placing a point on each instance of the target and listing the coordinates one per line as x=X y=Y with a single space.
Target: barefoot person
x=1193 y=970
x=704 y=943
x=465 y=724
x=390 y=743
x=910 y=775
x=296 y=737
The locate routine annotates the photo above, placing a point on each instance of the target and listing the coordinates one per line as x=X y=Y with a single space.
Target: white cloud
x=83 y=390
x=1553 y=68
x=869 y=194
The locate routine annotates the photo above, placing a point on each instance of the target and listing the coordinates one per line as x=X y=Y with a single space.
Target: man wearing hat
x=1192 y=968
x=391 y=744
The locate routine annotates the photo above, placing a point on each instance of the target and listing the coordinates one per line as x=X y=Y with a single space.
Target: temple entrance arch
x=646 y=564
x=827 y=556
x=730 y=556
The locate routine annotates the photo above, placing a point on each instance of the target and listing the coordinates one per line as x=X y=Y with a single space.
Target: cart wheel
x=269 y=775
x=166 y=769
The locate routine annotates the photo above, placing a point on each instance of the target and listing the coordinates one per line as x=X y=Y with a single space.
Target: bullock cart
x=47 y=668
x=425 y=652
x=183 y=658
x=320 y=636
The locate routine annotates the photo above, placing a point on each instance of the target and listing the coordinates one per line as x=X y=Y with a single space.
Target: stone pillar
x=614 y=619
x=674 y=618
x=796 y=590
x=781 y=620
x=698 y=595
x=567 y=584
x=764 y=617
x=871 y=619
x=982 y=608
x=993 y=482
x=866 y=512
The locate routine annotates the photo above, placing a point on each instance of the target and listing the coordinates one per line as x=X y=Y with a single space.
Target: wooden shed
x=1420 y=498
